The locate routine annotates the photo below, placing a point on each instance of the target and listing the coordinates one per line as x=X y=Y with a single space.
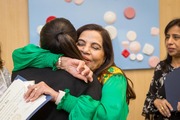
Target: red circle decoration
x=129 y=13
x=50 y=18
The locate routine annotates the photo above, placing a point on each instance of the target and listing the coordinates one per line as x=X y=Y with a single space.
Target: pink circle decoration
x=154 y=31
x=153 y=61
x=78 y=2
x=129 y=13
x=135 y=47
x=125 y=44
x=68 y=1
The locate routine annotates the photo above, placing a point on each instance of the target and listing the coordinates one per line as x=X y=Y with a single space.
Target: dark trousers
x=174 y=116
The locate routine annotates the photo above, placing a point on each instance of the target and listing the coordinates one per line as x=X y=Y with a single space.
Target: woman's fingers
x=34 y=91
x=165 y=111
x=169 y=107
x=163 y=106
x=87 y=73
x=80 y=65
x=75 y=73
x=78 y=69
x=29 y=91
x=178 y=106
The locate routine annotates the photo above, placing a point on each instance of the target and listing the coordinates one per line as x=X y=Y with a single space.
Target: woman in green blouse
x=95 y=46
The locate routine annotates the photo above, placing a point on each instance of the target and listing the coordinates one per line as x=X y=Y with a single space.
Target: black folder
x=172 y=88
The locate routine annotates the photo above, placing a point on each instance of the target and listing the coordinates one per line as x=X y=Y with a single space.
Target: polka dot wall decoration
x=134 y=34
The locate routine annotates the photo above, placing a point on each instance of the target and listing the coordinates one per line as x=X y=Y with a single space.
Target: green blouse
x=112 y=106
x=33 y=56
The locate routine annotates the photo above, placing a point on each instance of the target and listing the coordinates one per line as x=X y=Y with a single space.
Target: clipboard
x=172 y=88
x=13 y=105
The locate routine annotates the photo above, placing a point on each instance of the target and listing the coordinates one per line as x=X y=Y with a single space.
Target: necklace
x=175 y=65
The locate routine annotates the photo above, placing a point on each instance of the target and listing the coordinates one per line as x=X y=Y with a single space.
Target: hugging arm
x=34 y=56
x=112 y=104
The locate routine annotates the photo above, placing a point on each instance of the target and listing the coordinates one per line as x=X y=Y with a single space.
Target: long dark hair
x=168 y=59
x=60 y=36
x=109 y=54
x=1 y=61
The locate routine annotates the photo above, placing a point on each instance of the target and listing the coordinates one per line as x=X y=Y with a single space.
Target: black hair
x=60 y=36
x=109 y=55
x=168 y=59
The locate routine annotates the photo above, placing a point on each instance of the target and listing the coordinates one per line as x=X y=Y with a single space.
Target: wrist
x=59 y=97
x=62 y=61
x=59 y=63
x=54 y=96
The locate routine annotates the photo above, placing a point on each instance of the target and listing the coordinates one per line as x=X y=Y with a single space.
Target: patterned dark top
x=156 y=90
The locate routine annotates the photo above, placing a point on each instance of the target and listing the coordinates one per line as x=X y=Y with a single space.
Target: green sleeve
x=113 y=103
x=33 y=56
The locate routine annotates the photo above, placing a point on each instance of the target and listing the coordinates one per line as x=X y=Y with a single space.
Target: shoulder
x=113 y=71
x=27 y=48
x=162 y=65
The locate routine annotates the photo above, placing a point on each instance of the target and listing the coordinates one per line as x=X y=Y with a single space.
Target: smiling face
x=90 y=44
x=172 y=41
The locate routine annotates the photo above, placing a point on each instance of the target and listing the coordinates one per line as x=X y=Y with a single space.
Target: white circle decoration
x=39 y=28
x=131 y=35
x=112 y=31
x=148 y=49
x=109 y=17
x=139 y=57
x=132 y=56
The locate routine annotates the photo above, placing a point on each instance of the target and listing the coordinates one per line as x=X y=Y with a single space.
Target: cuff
x=60 y=96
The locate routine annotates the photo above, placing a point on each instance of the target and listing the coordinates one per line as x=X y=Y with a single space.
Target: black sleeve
x=94 y=89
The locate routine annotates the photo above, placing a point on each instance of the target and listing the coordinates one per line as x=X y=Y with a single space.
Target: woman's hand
x=178 y=107
x=163 y=106
x=77 y=68
x=35 y=91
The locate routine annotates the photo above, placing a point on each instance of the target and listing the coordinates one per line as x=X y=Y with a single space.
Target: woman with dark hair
x=57 y=36
x=96 y=48
x=156 y=107
x=5 y=77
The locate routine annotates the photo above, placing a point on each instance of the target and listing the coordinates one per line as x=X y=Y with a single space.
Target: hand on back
x=35 y=91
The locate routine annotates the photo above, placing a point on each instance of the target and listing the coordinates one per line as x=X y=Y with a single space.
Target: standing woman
x=96 y=48
x=156 y=107
x=5 y=77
